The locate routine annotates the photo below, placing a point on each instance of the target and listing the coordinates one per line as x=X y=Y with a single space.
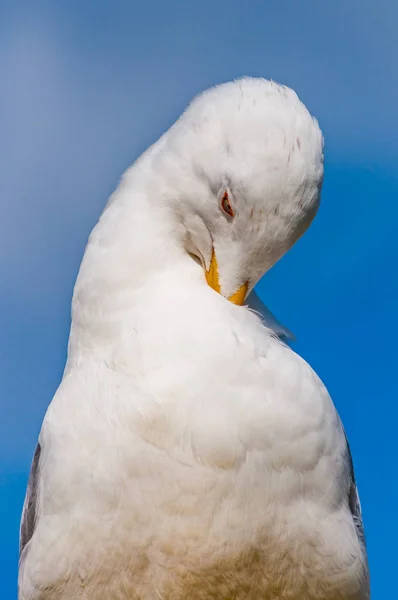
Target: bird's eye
x=226 y=204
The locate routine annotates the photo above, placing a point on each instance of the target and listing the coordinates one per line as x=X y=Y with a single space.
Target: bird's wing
x=353 y=498
x=255 y=303
x=29 y=508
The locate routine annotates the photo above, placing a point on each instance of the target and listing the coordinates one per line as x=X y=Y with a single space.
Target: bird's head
x=245 y=167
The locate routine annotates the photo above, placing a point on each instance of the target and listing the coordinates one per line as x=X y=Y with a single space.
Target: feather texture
x=188 y=452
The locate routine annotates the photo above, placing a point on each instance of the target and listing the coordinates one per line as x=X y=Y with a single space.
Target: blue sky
x=87 y=86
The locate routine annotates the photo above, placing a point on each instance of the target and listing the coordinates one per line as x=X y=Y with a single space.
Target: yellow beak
x=212 y=278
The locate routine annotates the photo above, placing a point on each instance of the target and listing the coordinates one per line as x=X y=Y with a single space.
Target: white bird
x=189 y=453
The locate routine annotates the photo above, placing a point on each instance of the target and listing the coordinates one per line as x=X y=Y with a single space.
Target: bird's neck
x=136 y=241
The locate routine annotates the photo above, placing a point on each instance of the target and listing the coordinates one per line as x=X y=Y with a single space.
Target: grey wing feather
x=255 y=303
x=29 y=508
x=353 y=498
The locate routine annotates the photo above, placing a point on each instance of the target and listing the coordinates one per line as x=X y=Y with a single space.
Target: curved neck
x=136 y=239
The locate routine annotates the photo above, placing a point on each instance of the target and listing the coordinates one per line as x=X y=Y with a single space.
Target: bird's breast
x=196 y=464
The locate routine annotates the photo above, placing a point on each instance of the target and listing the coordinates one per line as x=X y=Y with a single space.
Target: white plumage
x=188 y=453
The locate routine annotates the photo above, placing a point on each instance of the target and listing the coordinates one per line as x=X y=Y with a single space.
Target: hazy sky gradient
x=88 y=85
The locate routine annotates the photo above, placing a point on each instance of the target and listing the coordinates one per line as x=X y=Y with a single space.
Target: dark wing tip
x=29 y=508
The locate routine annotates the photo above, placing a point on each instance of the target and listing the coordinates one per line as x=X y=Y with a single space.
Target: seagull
x=189 y=453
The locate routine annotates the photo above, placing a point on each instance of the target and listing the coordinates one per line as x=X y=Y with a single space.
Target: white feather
x=188 y=453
